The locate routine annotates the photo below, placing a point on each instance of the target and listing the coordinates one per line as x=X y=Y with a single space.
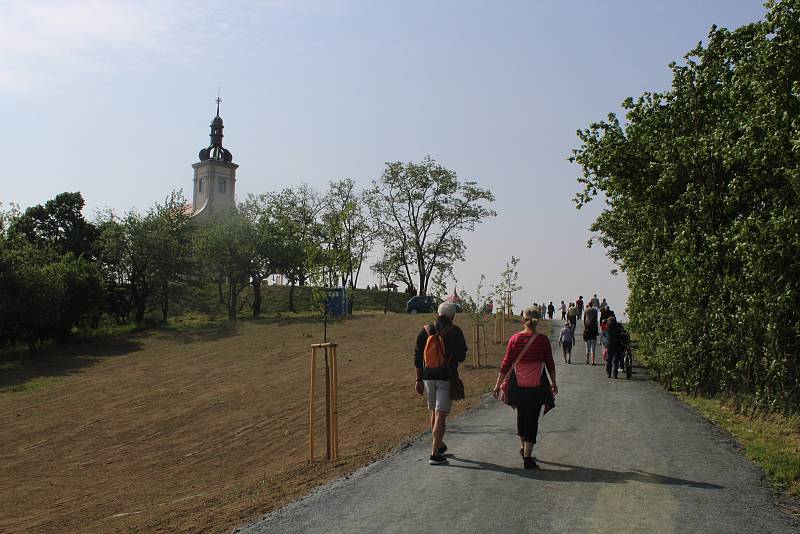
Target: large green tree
x=702 y=192
x=422 y=210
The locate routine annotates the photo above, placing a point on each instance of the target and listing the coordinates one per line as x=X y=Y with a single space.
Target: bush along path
x=616 y=455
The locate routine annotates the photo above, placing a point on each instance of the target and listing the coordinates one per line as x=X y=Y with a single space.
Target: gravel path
x=616 y=456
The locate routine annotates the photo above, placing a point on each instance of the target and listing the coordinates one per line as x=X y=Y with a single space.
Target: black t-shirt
x=455 y=347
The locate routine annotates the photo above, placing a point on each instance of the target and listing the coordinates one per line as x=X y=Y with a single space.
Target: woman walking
x=590 y=332
x=566 y=340
x=529 y=354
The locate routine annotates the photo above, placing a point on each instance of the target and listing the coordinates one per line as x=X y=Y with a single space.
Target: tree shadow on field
x=194 y=333
x=575 y=473
x=58 y=362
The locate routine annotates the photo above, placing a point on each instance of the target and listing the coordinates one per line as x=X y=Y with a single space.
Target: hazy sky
x=114 y=100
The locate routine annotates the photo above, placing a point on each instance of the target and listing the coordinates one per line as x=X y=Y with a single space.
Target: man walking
x=614 y=346
x=433 y=377
x=563 y=309
x=579 y=306
x=595 y=302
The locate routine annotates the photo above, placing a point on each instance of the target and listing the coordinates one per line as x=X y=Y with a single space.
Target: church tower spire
x=214 y=176
x=215 y=149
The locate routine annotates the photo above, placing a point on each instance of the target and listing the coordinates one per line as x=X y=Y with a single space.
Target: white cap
x=447 y=309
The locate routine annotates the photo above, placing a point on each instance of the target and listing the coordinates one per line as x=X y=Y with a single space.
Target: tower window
x=200 y=185
x=221 y=186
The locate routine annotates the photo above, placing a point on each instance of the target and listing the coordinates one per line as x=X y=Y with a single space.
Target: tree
x=271 y=249
x=294 y=215
x=149 y=255
x=170 y=240
x=227 y=243
x=58 y=224
x=702 y=192
x=509 y=281
x=422 y=209
x=44 y=295
x=386 y=269
x=347 y=233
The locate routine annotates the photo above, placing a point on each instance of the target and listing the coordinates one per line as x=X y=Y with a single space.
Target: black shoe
x=530 y=463
x=442 y=450
x=609 y=375
x=615 y=376
x=437 y=459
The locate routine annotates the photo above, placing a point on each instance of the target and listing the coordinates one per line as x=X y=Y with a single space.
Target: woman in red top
x=533 y=389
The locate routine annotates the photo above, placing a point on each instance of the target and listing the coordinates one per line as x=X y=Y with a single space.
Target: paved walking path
x=616 y=456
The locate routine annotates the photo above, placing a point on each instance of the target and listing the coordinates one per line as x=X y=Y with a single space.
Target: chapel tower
x=214 y=190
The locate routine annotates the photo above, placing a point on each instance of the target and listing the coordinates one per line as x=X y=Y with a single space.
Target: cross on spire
x=218 y=101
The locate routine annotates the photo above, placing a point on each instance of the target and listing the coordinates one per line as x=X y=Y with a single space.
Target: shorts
x=590 y=345
x=438 y=395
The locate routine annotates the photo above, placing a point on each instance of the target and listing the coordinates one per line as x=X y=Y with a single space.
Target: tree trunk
x=165 y=301
x=386 y=302
x=256 y=297
x=291 y=298
x=219 y=288
x=140 y=307
x=231 y=300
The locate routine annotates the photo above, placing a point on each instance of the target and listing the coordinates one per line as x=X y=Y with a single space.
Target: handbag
x=456 y=387
x=505 y=389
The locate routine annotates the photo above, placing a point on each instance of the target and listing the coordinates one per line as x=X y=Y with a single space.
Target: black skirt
x=532 y=396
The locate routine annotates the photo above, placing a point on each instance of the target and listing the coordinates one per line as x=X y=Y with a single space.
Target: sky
x=114 y=99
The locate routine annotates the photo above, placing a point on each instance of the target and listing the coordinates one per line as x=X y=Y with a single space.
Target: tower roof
x=215 y=150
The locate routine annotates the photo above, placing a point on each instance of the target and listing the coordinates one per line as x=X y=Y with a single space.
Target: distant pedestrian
x=590 y=313
x=433 y=378
x=566 y=340
x=579 y=306
x=590 y=332
x=595 y=302
x=603 y=305
x=543 y=311
x=572 y=316
x=563 y=310
x=614 y=347
x=550 y=310
x=532 y=383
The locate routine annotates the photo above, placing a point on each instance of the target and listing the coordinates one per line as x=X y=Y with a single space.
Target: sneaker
x=437 y=459
x=442 y=449
x=529 y=463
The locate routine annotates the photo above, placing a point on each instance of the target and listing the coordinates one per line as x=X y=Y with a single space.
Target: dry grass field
x=201 y=428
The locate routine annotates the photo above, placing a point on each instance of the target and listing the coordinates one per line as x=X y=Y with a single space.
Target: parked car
x=422 y=304
x=426 y=304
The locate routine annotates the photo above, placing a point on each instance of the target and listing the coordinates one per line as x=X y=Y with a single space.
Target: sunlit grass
x=772 y=442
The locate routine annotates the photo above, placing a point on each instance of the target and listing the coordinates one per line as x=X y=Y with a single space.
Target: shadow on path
x=575 y=473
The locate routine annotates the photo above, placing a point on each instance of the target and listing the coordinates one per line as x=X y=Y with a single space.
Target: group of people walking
x=527 y=376
x=528 y=366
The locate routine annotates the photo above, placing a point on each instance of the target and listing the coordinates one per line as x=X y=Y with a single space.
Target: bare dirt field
x=200 y=429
